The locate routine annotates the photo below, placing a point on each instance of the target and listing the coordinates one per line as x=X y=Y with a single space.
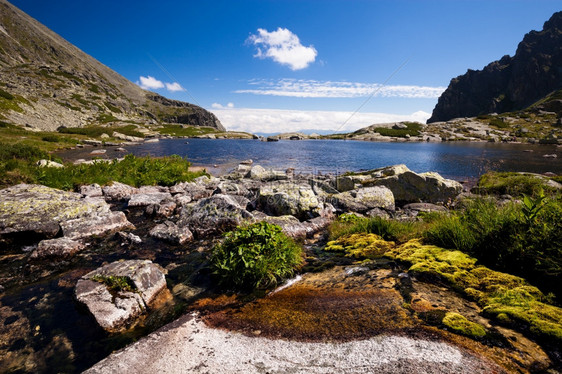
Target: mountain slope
x=510 y=84
x=46 y=82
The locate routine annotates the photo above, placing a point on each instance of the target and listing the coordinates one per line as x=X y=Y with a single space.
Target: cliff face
x=46 y=82
x=510 y=84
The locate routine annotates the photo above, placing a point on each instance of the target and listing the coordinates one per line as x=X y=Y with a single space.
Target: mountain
x=46 y=82
x=510 y=84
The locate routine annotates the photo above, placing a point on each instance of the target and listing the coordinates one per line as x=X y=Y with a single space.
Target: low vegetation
x=184 y=130
x=255 y=256
x=134 y=171
x=97 y=131
x=412 y=129
x=116 y=283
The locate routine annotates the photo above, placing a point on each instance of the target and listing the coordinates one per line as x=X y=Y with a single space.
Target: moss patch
x=459 y=324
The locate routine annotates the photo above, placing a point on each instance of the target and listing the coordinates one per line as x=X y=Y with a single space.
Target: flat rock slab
x=189 y=346
x=84 y=227
x=57 y=248
x=114 y=310
x=41 y=209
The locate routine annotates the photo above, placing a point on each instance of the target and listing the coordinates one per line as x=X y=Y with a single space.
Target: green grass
x=6 y=95
x=134 y=171
x=515 y=184
x=413 y=129
x=348 y=224
x=500 y=124
x=255 y=256
x=182 y=130
x=112 y=107
x=97 y=131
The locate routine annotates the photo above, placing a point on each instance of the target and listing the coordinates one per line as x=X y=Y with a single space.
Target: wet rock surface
x=175 y=227
x=117 y=293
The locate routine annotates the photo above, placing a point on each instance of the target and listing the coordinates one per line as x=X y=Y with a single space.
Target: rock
x=154 y=140
x=145 y=199
x=117 y=309
x=247 y=162
x=257 y=172
x=170 y=232
x=195 y=190
x=231 y=188
x=128 y=138
x=364 y=199
x=92 y=142
x=293 y=199
x=399 y=126
x=344 y=184
x=118 y=191
x=425 y=207
x=57 y=248
x=217 y=213
x=104 y=136
x=98 y=152
x=41 y=209
x=129 y=238
x=165 y=208
x=272 y=139
x=91 y=190
x=95 y=225
x=409 y=187
x=553 y=155
x=49 y=164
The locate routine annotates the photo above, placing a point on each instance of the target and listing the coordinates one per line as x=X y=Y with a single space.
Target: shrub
x=20 y=152
x=255 y=256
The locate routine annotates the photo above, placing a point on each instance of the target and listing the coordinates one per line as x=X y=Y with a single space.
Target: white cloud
x=278 y=120
x=284 y=47
x=324 y=89
x=150 y=83
x=220 y=106
x=174 y=87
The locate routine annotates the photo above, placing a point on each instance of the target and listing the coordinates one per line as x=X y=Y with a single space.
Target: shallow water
x=452 y=160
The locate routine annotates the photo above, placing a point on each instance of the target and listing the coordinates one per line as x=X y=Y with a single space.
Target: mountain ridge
x=510 y=83
x=47 y=82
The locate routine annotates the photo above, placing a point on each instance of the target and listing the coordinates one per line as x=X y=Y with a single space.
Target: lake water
x=452 y=160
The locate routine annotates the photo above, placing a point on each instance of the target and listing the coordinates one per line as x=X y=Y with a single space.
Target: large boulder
x=217 y=213
x=118 y=293
x=146 y=199
x=118 y=191
x=258 y=172
x=293 y=199
x=84 y=227
x=364 y=199
x=410 y=187
x=40 y=209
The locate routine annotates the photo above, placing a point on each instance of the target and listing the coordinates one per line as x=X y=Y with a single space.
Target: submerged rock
x=115 y=307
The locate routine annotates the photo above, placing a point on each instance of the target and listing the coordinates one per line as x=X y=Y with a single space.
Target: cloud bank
x=279 y=120
x=329 y=89
x=151 y=83
x=284 y=47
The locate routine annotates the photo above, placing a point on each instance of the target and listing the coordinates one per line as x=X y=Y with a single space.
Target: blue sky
x=273 y=66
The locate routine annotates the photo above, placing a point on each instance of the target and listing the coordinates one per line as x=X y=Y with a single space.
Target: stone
x=344 y=184
x=231 y=188
x=258 y=172
x=115 y=310
x=399 y=126
x=425 y=207
x=129 y=238
x=145 y=199
x=49 y=164
x=165 y=208
x=410 y=187
x=197 y=191
x=128 y=138
x=170 y=232
x=364 y=199
x=41 y=209
x=91 y=190
x=57 y=248
x=98 y=152
x=118 y=191
x=217 y=213
x=95 y=225
x=298 y=200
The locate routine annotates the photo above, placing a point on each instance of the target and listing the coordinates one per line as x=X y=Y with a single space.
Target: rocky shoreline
x=150 y=243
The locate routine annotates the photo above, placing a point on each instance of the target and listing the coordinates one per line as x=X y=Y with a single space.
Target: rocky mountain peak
x=511 y=83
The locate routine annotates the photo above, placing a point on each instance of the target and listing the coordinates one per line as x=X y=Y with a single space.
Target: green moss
x=515 y=184
x=459 y=324
x=116 y=283
x=505 y=297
